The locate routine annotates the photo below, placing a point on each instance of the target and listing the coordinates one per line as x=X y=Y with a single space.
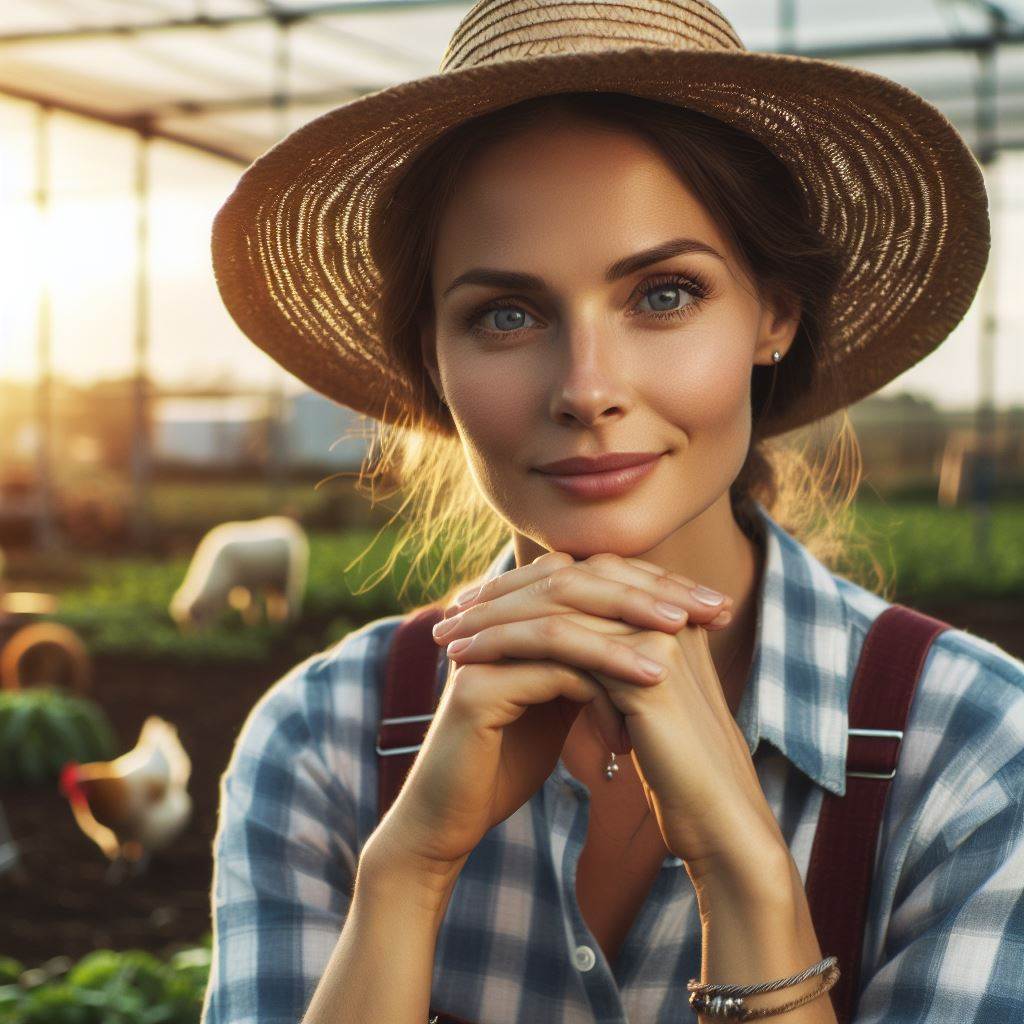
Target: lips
x=611 y=483
x=580 y=464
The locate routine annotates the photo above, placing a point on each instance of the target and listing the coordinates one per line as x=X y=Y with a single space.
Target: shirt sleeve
x=955 y=942
x=285 y=851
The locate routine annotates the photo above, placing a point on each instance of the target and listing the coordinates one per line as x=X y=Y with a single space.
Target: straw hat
x=884 y=174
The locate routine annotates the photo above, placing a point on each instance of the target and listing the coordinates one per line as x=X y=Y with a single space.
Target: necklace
x=612 y=767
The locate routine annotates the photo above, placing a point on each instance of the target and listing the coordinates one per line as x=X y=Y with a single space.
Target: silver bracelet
x=720 y=1000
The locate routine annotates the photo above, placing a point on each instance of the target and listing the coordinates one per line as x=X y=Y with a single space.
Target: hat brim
x=884 y=173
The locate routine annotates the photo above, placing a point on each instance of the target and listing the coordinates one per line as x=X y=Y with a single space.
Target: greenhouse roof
x=229 y=77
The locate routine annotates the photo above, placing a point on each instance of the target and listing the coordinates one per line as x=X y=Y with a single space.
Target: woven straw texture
x=883 y=172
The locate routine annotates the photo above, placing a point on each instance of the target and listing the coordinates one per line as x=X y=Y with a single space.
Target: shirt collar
x=797 y=693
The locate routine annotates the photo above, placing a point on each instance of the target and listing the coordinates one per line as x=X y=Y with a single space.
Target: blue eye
x=665 y=291
x=668 y=293
x=507 y=318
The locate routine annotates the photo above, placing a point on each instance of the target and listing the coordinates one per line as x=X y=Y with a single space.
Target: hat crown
x=498 y=30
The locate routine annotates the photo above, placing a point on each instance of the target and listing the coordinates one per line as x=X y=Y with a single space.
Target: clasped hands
x=602 y=616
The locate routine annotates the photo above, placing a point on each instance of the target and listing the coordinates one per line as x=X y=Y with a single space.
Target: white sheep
x=236 y=561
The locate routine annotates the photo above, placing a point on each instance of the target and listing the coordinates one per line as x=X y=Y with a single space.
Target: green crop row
x=108 y=987
x=927 y=551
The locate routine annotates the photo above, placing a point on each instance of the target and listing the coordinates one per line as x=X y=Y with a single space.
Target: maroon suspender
x=841 y=866
x=407 y=706
x=839 y=873
x=407 y=700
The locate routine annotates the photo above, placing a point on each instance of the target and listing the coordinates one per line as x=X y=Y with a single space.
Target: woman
x=561 y=277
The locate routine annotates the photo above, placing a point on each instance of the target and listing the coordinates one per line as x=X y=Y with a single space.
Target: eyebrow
x=620 y=268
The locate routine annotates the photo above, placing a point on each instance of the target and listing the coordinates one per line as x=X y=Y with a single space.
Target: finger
x=513 y=579
x=558 y=638
x=568 y=590
x=607 y=589
x=685 y=581
x=498 y=694
x=721 y=620
x=660 y=570
x=653 y=591
x=668 y=586
x=509 y=688
x=524 y=683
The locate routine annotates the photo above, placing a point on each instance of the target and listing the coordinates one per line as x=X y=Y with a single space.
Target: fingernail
x=459 y=645
x=651 y=668
x=707 y=596
x=467 y=595
x=446 y=625
x=670 y=611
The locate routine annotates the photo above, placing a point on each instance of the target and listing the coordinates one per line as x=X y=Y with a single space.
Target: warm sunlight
x=85 y=247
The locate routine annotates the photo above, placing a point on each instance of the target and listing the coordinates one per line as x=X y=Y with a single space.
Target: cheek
x=707 y=387
x=493 y=417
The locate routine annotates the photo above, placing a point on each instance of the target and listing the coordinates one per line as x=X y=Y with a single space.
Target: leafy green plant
x=108 y=987
x=41 y=728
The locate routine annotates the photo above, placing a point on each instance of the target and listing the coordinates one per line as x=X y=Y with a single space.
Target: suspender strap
x=407 y=701
x=407 y=706
x=842 y=860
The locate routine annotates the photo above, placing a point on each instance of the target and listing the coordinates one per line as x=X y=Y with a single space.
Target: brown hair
x=751 y=194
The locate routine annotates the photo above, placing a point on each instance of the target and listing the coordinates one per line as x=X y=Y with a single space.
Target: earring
x=776 y=356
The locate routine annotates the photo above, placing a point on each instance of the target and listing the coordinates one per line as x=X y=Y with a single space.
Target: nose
x=589 y=388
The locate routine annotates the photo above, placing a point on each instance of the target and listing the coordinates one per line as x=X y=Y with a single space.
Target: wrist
x=386 y=866
x=760 y=874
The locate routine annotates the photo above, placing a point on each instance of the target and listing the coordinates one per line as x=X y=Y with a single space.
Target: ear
x=780 y=318
x=428 y=347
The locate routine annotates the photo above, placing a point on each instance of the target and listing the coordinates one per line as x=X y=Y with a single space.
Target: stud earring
x=776 y=356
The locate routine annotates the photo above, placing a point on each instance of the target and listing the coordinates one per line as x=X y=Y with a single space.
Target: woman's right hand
x=496 y=736
x=499 y=730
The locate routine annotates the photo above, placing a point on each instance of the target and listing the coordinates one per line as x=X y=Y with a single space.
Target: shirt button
x=584 y=958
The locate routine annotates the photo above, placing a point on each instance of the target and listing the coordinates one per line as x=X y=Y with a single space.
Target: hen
x=136 y=804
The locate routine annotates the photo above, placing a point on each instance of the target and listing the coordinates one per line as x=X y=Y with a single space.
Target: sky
x=86 y=253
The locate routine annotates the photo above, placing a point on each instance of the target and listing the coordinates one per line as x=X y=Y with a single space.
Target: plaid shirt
x=945 y=935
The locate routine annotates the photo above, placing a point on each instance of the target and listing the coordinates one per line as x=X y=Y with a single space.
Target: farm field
x=206 y=684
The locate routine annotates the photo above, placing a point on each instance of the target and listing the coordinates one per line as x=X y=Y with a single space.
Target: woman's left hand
x=688 y=751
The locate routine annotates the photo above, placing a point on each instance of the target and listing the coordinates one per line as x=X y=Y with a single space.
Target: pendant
x=611 y=768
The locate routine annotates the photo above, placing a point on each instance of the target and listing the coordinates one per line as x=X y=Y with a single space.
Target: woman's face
x=605 y=351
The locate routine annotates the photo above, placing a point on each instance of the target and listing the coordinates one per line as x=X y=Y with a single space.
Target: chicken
x=136 y=804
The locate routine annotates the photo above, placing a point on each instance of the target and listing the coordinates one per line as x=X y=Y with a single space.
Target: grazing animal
x=237 y=561
x=136 y=804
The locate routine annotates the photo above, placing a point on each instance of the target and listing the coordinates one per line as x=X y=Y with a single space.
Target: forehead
x=567 y=190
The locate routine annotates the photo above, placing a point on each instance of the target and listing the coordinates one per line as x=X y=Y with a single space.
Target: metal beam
x=235 y=104
x=133 y=122
x=207 y=21
x=976 y=41
x=1012 y=36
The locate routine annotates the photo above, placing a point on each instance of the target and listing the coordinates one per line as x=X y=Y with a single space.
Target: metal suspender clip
x=889 y=734
x=406 y=719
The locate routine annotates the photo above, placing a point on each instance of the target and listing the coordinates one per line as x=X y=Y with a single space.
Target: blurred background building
x=123 y=126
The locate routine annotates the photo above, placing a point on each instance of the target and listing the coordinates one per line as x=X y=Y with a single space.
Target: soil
x=65 y=907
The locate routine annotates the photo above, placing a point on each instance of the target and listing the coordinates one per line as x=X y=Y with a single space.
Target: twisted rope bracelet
x=724 y=1001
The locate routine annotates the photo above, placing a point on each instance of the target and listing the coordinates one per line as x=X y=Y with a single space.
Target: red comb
x=69 y=782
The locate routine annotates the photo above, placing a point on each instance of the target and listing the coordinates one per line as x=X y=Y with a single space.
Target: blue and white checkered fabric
x=945 y=934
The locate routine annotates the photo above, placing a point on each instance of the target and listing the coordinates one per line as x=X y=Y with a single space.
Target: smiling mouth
x=605 y=484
